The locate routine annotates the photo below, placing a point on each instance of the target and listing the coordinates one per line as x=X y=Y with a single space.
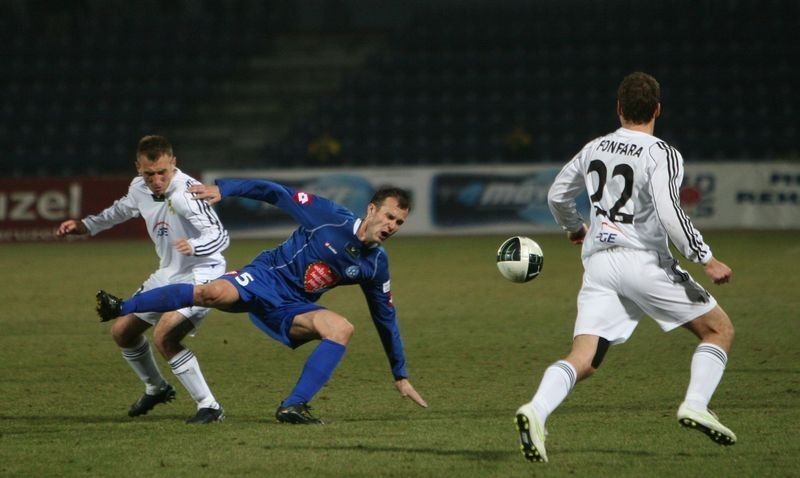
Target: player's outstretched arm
x=71 y=226
x=718 y=271
x=407 y=390
x=209 y=192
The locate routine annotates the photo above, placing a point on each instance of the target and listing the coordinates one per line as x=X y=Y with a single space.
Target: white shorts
x=620 y=285
x=161 y=277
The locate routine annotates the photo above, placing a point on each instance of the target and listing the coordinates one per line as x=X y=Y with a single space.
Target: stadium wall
x=453 y=200
x=513 y=199
x=32 y=209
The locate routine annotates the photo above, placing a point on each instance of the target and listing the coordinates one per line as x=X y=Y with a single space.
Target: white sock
x=185 y=366
x=708 y=365
x=141 y=360
x=556 y=384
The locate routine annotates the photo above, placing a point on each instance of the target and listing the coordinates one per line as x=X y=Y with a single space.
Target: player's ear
x=658 y=111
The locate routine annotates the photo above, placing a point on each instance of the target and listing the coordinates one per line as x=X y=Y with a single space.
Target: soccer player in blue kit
x=279 y=289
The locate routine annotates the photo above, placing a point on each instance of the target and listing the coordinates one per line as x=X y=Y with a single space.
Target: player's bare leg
x=716 y=334
x=128 y=333
x=168 y=335
x=558 y=381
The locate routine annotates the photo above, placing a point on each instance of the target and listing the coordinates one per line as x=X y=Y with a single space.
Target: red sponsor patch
x=319 y=276
x=390 y=300
x=302 y=198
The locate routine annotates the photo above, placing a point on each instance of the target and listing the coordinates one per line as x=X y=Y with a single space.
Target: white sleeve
x=567 y=186
x=213 y=236
x=665 y=184
x=123 y=209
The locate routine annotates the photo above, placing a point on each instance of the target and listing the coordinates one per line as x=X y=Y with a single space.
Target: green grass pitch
x=476 y=345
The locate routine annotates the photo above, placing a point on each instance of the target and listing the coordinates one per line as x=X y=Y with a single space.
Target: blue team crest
x=352 y=272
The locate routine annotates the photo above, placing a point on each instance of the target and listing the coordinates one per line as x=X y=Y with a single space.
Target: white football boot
x=531 y=434
x=707 y=422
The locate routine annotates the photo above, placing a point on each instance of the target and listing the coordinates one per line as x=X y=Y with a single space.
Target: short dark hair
x=402 y=196
x=153 y=147
x=639 y=95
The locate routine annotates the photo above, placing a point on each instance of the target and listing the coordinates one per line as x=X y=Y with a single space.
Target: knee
x=724 y=330
x=118 y=335
x=342 y=331
x=203 y=296
x=213 y=294
x=123 y=337
x=161 y=340
x=168 y=334
x=727 y=332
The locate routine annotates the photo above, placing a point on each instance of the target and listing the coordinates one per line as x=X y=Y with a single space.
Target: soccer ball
x=520 y=259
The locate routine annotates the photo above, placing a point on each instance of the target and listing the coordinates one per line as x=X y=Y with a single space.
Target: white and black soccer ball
x=520 y=259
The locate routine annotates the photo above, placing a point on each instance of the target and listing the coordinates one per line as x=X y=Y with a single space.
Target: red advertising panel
x=32 y=209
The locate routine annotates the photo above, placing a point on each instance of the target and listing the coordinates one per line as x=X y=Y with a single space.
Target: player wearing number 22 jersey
x=279 y=289
x=633 y=181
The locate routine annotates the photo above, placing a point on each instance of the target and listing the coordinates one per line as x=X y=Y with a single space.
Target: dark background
x=346 y=83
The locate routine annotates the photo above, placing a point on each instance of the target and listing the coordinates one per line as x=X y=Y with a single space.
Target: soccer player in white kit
x=633 y=180
x=189 y=240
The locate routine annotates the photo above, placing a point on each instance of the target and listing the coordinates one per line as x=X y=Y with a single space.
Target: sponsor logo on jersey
x=387 y=286
x=161 y=229
x=390 y=300
x=303 y=198
x=352 y=271
x=319 y=276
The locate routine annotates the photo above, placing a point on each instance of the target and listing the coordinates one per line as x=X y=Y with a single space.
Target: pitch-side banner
x=32 y=209
x=742 y=195
x=513 y=199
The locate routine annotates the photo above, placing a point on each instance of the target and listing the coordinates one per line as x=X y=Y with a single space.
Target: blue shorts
x=271 y=305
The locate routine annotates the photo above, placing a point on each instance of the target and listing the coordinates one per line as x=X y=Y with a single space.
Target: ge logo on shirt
x=161 y=229
x=302 y=198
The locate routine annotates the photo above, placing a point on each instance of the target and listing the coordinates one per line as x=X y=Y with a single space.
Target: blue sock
x=317 y=371
x=161 y=299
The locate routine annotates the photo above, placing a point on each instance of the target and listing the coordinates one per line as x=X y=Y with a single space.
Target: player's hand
x=577 y=236
x=71 y=226
x=184 y=247
x=718 y=271
x=209 y=192
x=407 y=390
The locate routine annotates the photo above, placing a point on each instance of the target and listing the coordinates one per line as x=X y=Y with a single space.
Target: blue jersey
x=323 y=253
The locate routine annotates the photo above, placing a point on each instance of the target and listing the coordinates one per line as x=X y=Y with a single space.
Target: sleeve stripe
x=686 y=224
x=221 y=239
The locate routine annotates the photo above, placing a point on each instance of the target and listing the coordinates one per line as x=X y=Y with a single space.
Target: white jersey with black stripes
x=633 y=180
x=169 y=218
